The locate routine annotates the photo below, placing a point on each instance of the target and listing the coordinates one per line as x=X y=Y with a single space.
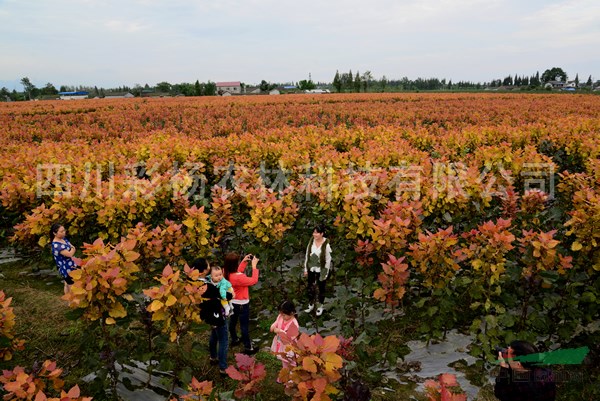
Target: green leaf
x=491 y=321
x=421 y=302
x=475 y=305
x=432 y=310
x=185 y=375
x=588 y=297
x=475 y=325
x=475 y=350
x=392 y=357
x=507 y=320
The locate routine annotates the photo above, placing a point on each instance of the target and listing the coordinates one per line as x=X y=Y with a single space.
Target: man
x=521 y=380
x=212 y=313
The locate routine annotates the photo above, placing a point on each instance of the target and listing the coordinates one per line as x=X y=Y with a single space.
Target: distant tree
x=357 y=82
x=532 y=80
x=210 y=89
x=184 y=88
x=96 y=91
x=349 y=81
x=28 y=87
x=163 y=87
x=264 y=86
x=405 y=83
x=589 y=81
x=383 y=82
x=49 y=89
x=337 y=82
x=554 y=73
x=450 y=84
x=197 y=88
x=306 y=84
x=577 y=80
x=137 y=90
x=367 y=77
x=4 y=94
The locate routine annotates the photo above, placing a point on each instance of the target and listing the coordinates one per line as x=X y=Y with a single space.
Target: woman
x=63 y=253
x=317 y=264
x=522 y=380
x=241 y=301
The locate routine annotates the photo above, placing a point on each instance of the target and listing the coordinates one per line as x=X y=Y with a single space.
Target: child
x=223 y=285
x=286 y=328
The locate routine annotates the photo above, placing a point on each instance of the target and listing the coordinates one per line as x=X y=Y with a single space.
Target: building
x=560 y=84
x=233 y=88
x=118 y=95
x=318 y=91
x=73 y=95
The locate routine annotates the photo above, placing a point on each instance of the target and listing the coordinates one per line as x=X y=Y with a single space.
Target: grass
x=40 y=318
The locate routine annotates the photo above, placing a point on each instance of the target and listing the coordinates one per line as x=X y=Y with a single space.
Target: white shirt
x=314 y=249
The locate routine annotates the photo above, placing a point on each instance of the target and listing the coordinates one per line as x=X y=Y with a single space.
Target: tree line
x=357 y=82
x=342 y=83
x=30 y=91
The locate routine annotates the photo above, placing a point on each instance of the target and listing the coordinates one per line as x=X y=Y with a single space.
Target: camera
x=502 y=350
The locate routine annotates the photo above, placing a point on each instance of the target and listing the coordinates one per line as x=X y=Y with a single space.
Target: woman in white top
x=316 y=267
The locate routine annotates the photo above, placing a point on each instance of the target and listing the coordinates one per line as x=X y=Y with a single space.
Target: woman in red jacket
x=241 y=302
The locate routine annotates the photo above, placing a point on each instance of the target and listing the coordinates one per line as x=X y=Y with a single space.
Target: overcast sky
x=126 y=42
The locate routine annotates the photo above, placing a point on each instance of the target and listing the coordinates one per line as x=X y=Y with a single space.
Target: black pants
x=313 y=282
x=241 y=313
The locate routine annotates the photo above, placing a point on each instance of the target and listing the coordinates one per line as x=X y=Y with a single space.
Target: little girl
x=286 y=328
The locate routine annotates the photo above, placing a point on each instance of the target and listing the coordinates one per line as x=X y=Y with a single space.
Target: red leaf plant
x=248 y=373
x=446 y=388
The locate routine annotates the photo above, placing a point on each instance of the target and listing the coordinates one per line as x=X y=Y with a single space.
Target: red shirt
x=240 y=282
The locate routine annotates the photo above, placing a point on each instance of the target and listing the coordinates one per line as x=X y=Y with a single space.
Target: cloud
x=125 y=26
x=116 y=42
x=570 y=23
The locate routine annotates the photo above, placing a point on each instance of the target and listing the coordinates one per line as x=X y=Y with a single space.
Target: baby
x=223 y=285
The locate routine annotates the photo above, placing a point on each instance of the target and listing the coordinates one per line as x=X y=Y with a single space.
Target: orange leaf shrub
x=436 y=257
x=7 y=329
x=19 y=385
x=199 y=391
x=487 y=249
x=271 y=213
x=176 y=301
x=393 y=279
x=197 y=227
x=539 y=253
x=312 y=367
x=103 y=279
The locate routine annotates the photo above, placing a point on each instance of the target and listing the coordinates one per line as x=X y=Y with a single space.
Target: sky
x=110 y=43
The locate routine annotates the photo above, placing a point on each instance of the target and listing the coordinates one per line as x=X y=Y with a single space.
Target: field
x=469 y=213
